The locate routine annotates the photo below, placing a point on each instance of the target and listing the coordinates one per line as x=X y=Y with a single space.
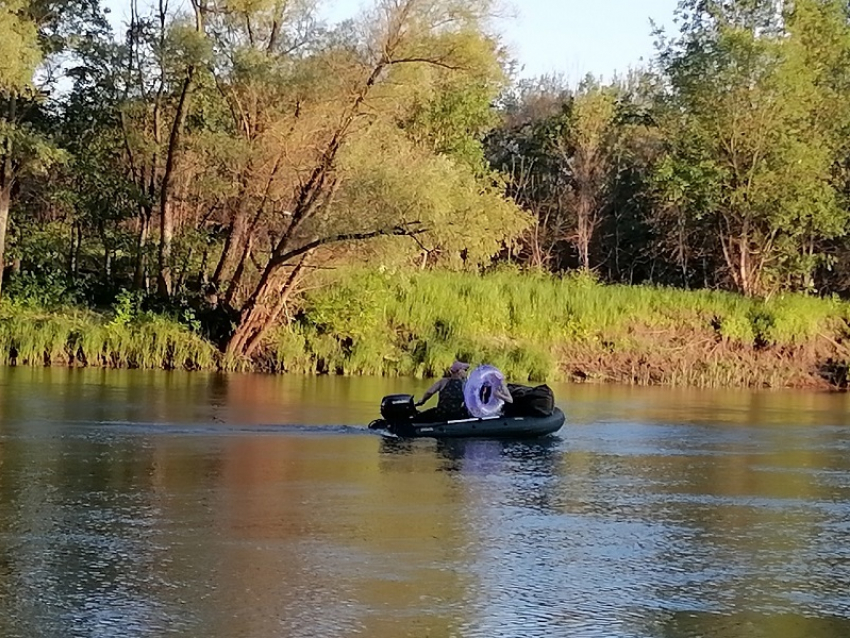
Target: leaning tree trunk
x=5 y=202
x=236 y=280
x=252 y=318
x=317 y=191
x=7 y=180
x=237 y=246
x=285 y=293
x=233 y=246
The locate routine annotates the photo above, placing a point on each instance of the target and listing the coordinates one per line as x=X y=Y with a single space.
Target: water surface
x=152 y=504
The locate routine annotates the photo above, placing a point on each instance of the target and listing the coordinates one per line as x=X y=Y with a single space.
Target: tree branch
x=443 y=65
x=399 y=231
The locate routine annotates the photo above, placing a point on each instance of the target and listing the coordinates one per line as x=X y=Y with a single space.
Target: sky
x=567 y=37
x=571 y=37
x=576 y=37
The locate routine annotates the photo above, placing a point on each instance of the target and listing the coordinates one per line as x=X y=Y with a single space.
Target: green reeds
x=536 y=326
x=533 y=326
x=73 y=337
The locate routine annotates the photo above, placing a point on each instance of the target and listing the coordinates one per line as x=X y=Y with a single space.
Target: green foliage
x=754 y=132
x=391 y=181
x=31 y=335
x=454 y=112
x=534 y=327
x=32 y=149
x=796 y=319
x=402 y=322
x=19 y=50
x=49 y=289
x=728 y=168
x=127 y=307
x=40 y=248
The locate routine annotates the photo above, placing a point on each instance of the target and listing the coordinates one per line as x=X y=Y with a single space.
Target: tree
x=586 y=152
x=192 y=46
x=405 y=42
x=263 y=80
x=19 y=55
x=534 y=115
x=35 y=34
x=19 y=50
x=259 y=143
x=626 y=242
x=754 y=131
x=560 y=157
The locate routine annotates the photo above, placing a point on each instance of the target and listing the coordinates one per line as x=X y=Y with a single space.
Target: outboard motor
x=398 y=407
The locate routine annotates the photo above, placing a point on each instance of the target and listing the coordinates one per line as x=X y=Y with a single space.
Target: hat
x=458 y=366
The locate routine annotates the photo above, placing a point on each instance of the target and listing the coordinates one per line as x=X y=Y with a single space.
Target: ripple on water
x=617 y=528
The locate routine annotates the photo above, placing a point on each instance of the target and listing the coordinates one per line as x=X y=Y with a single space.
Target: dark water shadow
x=395 y=445
x=457 y=450
x=694 y=624
x=532 y=456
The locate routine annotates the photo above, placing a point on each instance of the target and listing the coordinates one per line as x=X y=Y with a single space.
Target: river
x=154 y=504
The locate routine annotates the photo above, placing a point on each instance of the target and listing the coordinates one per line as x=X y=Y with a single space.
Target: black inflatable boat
x=400 y=418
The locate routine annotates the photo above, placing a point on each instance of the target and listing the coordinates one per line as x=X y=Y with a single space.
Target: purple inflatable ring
x=479 y=392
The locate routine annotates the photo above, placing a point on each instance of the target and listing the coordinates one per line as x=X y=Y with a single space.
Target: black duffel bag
x=530 y=401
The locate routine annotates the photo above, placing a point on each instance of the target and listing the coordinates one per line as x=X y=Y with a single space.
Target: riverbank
x=533 y=326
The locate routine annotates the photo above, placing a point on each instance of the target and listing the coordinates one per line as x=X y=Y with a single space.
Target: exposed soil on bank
x=704 y=359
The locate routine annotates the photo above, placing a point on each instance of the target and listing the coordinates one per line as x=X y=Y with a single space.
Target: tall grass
x=31 y=336
x=538 y=327
x=533 y=326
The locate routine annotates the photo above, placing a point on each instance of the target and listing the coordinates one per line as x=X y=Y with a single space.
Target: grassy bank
x=534 y=327
x=539 y=327
x=70 y=336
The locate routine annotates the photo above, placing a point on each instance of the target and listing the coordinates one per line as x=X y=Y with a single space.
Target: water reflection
x=750 y=624
x=150 y=504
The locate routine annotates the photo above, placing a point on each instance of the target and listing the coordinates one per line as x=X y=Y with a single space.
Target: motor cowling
x=398 y=407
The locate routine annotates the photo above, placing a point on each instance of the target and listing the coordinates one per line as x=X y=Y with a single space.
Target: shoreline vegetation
x=533 y=326
x=248 y=186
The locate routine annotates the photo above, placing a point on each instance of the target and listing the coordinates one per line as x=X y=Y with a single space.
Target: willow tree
x=269 y=98
x=754 y=131
x=375 y=75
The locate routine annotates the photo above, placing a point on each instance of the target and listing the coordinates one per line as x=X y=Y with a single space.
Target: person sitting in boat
x=486 y=392
x=503 y=393
x=500 y=391
x=450 y=403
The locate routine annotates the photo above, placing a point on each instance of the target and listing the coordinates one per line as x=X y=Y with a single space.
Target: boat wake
x=226 y=429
